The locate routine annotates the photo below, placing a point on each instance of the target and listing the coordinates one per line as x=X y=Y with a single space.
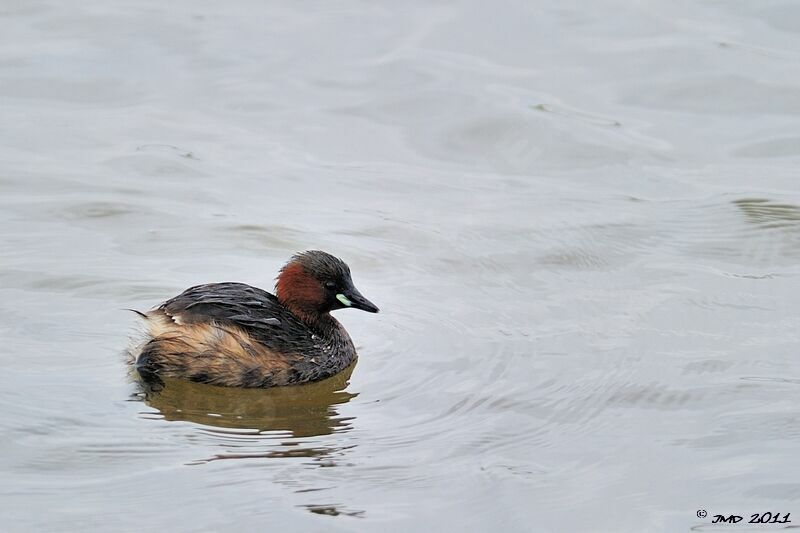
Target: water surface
x=581 y=222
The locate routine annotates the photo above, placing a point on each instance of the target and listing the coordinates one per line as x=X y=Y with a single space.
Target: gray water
x=581 y=221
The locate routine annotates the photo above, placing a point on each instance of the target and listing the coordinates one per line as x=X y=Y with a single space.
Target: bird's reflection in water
x=303 y=410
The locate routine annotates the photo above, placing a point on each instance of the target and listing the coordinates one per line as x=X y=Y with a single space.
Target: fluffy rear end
x=209 y=353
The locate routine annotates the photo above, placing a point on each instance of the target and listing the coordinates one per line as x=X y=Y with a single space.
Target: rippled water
x=581 y=221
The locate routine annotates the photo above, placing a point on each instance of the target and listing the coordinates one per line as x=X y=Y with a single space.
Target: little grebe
x=235 y=335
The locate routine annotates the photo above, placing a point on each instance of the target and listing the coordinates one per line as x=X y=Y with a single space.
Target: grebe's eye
x=330 y=285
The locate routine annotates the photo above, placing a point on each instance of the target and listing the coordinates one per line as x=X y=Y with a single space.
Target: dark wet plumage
x=232 y=334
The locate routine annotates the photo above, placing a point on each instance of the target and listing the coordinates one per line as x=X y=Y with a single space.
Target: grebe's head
x=315 y=282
